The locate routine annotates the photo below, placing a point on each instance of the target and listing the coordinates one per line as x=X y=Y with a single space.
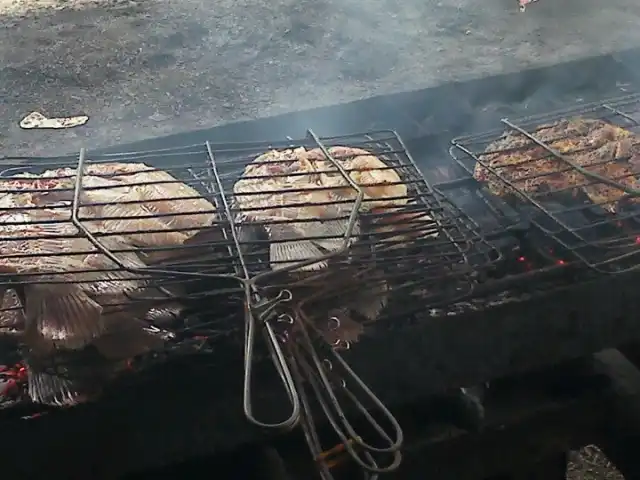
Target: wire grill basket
x=104 y=261
x=574 y=173
x=304 y=243
x=389 y=248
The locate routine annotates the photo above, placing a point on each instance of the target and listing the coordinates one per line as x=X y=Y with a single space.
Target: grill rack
x=427 y=271
x=581 y=228
x=296 y=341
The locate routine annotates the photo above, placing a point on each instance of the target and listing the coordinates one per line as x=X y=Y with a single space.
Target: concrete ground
x=143 y=68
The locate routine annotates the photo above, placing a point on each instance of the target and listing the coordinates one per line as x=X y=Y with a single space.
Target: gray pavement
x=146 y=68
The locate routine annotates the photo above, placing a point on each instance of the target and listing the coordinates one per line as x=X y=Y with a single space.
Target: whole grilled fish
x=301 y=196
x=143 y=205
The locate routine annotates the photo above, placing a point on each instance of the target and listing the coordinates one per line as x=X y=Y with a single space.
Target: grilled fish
x=301 y=196
x=74 y=301
x=595 y=145
x=147 y=206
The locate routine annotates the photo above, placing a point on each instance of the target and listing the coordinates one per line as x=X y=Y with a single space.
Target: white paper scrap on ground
x=38 y=120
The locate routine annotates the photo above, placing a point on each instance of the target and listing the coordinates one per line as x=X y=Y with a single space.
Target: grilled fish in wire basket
x=102 y=263
x=352 y=230
x=575 y=171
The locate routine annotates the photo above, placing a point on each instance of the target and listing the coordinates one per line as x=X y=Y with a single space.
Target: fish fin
x=48 y=389
x=63 y=314
x=127 y=256
x=291 y=249
x=206 y=245
x=206 y=235
x=336 y=228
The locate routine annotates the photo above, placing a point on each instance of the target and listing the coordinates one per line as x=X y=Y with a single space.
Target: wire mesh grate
x=308 y=243
x=573 y=173
x=389 y=248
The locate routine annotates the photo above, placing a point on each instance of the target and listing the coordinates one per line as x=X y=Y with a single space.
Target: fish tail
x=289 y=247
x=155 y=301
x=63 y=314
x=49 y=389
x=336 y=228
